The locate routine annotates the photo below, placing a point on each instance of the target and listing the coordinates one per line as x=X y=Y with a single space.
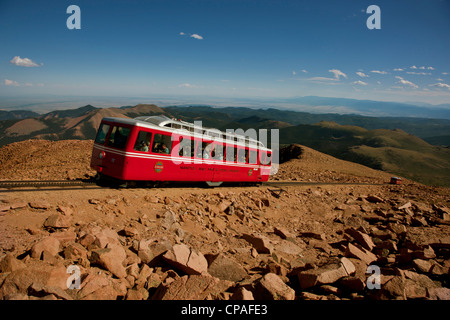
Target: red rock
x=39 y=274
x=193 y=287
x=439 y=293
x=57 y=221
x=111 y=259
x=259 y=242
x=225 y=268
x=326 y=274
x=374 y=199
x=362 y=238
x=9 y=264
x=18 y=205
x=315 y=235
x=360 y=253
x=75 y=251
x=65 y=210
x=49 y=244
x=242 y=294
x=97 y=287
x=186 y=259
x=271 y=287
x=40 y=205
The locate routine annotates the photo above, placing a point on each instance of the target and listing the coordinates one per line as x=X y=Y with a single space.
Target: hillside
x=308 y=242
x=81 y=123
x=378 y=148
x=70 y=159
x=394 y=151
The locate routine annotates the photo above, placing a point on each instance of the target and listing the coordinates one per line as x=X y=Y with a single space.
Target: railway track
x=38 y=184
x=35 y=185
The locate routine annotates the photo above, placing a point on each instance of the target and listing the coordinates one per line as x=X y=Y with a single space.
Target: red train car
x=158 y=148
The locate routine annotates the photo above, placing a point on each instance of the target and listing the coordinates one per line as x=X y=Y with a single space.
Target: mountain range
x=398 y=145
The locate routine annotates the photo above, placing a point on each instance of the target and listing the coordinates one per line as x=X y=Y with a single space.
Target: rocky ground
x=306 y=242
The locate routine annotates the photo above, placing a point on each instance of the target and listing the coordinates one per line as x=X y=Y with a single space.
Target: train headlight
x=101 y=155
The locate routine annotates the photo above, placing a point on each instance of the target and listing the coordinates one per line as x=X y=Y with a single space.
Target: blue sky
x=227 y=48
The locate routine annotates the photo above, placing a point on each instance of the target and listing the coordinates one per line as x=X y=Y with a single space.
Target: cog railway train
x=156 y=149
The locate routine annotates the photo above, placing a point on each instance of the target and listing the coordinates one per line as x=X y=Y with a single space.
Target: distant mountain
x=371 y=107
x=381 y=143
x=17 y=114
x=80 y=123
x=394 y=151
x=227 y=116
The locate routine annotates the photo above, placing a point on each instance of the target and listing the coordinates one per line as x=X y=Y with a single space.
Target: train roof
x=169 y=124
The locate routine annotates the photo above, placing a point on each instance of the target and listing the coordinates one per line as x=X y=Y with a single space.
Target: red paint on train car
x=135 y=150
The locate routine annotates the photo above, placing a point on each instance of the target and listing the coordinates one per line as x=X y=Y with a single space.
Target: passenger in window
x=144 y=146
x=164 y=149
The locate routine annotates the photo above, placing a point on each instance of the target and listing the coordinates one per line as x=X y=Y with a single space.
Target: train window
x=253 y=157
x=101 y=133
x=203 y=150
x=162 y=144
x=241 y=155
x=143 y=141
x=230 y=154
x=217 y=152
x=118 y=137
x=185 y=147
x=268 y=159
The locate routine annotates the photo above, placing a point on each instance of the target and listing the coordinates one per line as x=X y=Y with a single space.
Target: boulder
x=39 y=274
x=9 y=264
x=329 y=273
x=110 y=258
x=48 y=244
x=259 y=242
x=57 y=221
x=225 y=268
x=186 y=259
x=360 y=253
x=192 y=287
x=271 y=287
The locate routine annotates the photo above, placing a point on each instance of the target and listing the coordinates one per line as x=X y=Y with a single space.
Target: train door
x=202 y=161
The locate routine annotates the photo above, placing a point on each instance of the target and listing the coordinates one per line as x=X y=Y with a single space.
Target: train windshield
x=118 y=137
x=101 y=133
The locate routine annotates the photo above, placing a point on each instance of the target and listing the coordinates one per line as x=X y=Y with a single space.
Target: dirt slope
x=307 y=242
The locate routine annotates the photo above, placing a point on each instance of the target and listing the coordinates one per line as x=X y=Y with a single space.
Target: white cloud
x=362 y=83
x=378 y=71
x=406 y=82
x=305 y=71
x=25 y=62
x=187 y=85
x=294 y=73
x=440 y=85
x=422 y=68
x=362 y=74
x=196 y=36
x=413 y=67
x=11 y=83
x=430 y=68
x=337 y=73
x=322 y=78
x=419 y=73
x=445 y=73
x=399 y=69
